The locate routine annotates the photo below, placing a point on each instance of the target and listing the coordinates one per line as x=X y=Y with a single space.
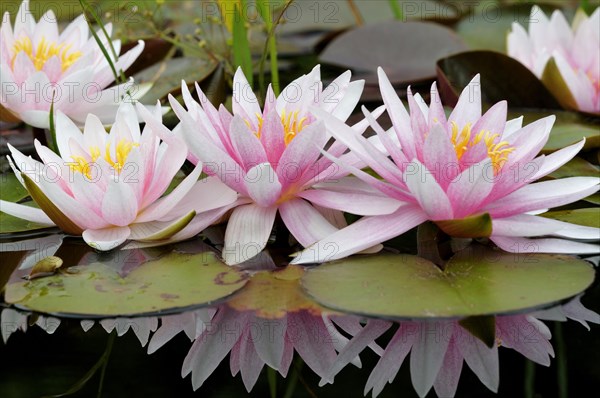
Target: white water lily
x=40 y=66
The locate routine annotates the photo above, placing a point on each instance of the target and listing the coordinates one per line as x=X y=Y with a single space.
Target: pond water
x=188 y=313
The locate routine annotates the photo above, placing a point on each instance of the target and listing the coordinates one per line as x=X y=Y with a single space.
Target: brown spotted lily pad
x=171 y=283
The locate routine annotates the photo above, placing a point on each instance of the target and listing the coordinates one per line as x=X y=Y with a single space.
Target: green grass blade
x=241 y=47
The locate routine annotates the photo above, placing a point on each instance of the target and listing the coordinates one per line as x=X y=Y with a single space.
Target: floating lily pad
x=272 y=295
x=576 y=167
x=11 y=189
x=169 y=284
x=564 y=134
x=502 y=78
x=10 y=224
x=476 y=281
x=595 y=199
x=386 y=44
x=589 y=217
x=166 y=76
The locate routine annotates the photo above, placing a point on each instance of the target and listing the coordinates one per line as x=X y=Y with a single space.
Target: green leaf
x=11 y=189
x=576 y=167
x=241 y=47
x=482 y=327
x=595 y=199
x=386 y=44
x=476 y=281
x=589 y=217
x=479 y=226
x=168 y=284
x=166 y=76
x=10 y=224
x=565 y=134
x=502 y=78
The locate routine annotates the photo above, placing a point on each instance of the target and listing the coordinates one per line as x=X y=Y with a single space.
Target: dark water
x=36 y=363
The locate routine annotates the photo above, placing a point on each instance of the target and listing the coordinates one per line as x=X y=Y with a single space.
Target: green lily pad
x=502 y=78
x=10 y=224
x=168 y=284
x=476 y=281
x=166 y=76
x=564 y=134
x=589 y=217
x=595 y=199
x=576 y=167
x=11 y=189
x=385 y=44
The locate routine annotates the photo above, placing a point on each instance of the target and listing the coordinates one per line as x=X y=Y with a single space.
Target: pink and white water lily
x=40 y=66
x=573 y=50
x=272 y=158
x=472 y=174
x=108 y=187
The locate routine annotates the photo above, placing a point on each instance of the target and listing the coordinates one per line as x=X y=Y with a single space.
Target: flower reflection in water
x=271 y=317
x=261 y=325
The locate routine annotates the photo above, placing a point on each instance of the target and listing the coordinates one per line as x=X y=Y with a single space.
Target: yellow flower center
x=497 y=152
x=81 y=165
x=44 y=51
x=292 y=125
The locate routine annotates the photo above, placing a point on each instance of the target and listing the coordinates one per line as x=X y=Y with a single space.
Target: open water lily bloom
x=108 y=187
x=39 y=65
x=472 y=175
x=574 y=51
x=272 y=158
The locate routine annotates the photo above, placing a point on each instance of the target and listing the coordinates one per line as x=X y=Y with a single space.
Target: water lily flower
x=40 y=66
x=107 y=187
x=571 y=54
x=272 y=158
x=472 y=175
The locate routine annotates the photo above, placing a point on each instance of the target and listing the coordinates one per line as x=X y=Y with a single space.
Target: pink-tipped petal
x=305 y=222
x=107 y=238
x=362 y=235
x=262 y=184
x=247 y=233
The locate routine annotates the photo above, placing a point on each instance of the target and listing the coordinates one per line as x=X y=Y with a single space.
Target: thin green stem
x=86 y=11
x=272 y=377
x=529 y=387
x=561 y=362
x=101 y=364
x=270 y=47
x=396 y=10
x=293 y=380
x=109 y=346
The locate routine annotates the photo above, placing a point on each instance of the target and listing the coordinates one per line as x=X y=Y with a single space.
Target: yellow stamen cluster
x=44 y=51
x=497 y=151
x=292 y=125
x=82 y=165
